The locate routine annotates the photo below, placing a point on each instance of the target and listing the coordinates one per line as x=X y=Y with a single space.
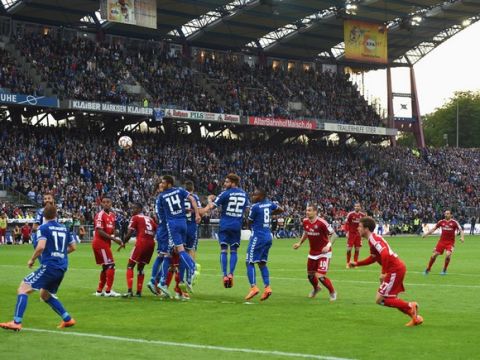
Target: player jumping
x=354 y=238
x=54 y=243
x=446 y=243
x=144 y=227
x=319 y=234
x=234 y=202
x=393 y=272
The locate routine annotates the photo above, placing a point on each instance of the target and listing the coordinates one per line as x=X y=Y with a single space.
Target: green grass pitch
x=288 y=325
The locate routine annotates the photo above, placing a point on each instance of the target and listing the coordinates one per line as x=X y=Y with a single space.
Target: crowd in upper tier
x=395 y=184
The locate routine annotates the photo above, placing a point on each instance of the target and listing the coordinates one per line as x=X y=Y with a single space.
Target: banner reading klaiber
x=365 y=41
x=133 y=12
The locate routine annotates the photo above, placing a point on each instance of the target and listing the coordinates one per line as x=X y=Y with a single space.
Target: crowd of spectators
x=393 y=184
x=13 y=79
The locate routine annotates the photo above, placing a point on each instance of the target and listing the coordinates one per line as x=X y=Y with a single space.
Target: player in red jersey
x=353 y=236
x=104 y=235
x=144 y=227
x=393 y=272
x=319 y=233
x=446 y=243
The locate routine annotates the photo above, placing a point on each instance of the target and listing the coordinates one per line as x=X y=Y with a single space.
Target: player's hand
x=462 y=240
x=121 y=247
x=326 y=249
x=211 y=198
x=30 y=263
x=351 y=265
x=382 y=277
x=296 y=246
x=198 y=219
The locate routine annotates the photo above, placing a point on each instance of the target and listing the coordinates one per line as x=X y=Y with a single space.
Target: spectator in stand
x=3 y=227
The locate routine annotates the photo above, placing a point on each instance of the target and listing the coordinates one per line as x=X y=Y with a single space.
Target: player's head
x=189 y=186
x=48 y=199
x=366 y=226
x=258 y=195
x=448 y=214
x=106 y=203
x=50 y=212
x=137 y=208
x=357 y=207
x=231 y=181
x=167 y=182
x=311 y=211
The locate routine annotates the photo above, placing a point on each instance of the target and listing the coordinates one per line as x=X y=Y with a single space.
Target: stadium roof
x=293 y=29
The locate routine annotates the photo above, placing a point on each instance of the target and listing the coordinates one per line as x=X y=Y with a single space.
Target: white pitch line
x=188 y=345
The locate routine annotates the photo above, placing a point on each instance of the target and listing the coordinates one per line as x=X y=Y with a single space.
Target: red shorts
x=354 y=241
x=319 y=265
x=3 y=232
x=103 y=255
x=444 y=246
x=142 y=253
x=392 y=285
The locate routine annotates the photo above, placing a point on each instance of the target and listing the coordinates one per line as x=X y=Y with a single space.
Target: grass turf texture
x=353 y=327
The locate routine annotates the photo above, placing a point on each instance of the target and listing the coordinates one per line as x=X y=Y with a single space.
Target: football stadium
x=185 y=179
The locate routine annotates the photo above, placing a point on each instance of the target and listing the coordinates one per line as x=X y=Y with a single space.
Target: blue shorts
x=258 y=248
x=177 y=232
x=162 y=239
x=191 y=242
x=46 y=278
x=229 y=237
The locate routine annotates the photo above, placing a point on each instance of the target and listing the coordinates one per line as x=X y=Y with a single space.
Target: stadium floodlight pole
x=457 y=122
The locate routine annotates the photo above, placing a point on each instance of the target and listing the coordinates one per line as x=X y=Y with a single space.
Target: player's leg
x=448 y=257
x=223 y=240
x=140 y=278
x=101 y=258
x=358 y=245
x=109 y=292
x=323 y=265
x=349 y=252
x=177 y=232
x=233 y=263
x=130 y=269
x=312 y=266
x=432 y=260
x=267 y=291
x=250 y=262
x=22 y=299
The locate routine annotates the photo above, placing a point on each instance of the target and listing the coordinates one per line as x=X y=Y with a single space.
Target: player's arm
x=198 y=218
x=105 y=236
x=365 y=262
x=277 y=211
x=302 y=240
x=211 y=204
x=38 y=251
x=331 y=239
x=430 y=232
x=462 y=233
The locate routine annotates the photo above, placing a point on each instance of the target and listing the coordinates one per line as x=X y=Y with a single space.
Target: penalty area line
x=186 y=345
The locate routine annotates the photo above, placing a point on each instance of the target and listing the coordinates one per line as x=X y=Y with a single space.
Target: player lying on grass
x=260 y=242
x=54 y=243
x=144 y=228
x=393 y=272
x=446 y=243
x=319 y=234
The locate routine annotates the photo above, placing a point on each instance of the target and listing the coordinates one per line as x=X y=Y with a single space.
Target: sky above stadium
x=453 y=66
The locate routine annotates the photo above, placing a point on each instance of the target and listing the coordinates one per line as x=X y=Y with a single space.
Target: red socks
x=430 y=263
x=110 y=278
x=313 y=280
x=169 y=278
x=355 y=255
x=102 y=281
x=447 y=261
x=328 y=284
x=129 y=278
x=349 y=256
x=140 y=278
x=397 y=303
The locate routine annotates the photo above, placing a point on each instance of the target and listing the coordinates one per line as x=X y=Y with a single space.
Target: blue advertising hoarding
x=29 y=100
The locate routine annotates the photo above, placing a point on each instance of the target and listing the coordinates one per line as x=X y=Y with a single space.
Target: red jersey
x=145 y=228
x=106 y=222
x=353 y=219
x=26 y=231
x=449 y=229
x=317 y=232
x=383 y=254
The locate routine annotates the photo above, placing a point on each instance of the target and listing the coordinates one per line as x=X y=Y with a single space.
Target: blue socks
x=165 y=265
x=58 y=308
x=265 y=275
x=223 y=262
x=186 y=263
x=20 y=308
x=156 y=268
x=251 y=274
x=233 y=260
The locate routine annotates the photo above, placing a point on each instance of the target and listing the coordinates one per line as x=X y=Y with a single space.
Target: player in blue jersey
x=260 y=242
x=54 y=244
x=39 y=220
x=172 y=202
x=192 y=227
x=234 y=202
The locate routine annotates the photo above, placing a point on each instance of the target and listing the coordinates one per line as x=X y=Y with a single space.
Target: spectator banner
x=29 y=100
x=283 y=123
x=132 y=12
x=200 y=115
x=365 y=41
x=360 y=129
x=110 y=108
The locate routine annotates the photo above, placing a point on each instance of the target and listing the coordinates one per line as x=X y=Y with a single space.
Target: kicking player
x=144 y=227
x=101 y=245
x=54 y=243
x=393 y=272
x=354 y=238
x=172 y=201
x=234 y=202
x=446 y=243
x=260 y=242
x=39 y=220
x=319 y=234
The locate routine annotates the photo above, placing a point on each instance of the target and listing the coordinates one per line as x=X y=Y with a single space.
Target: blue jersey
x=39 y=217
x=233 y=201
x=172 y=201
x=159 y=210
x=57 y=240
x=261 y=215
x=188 y=206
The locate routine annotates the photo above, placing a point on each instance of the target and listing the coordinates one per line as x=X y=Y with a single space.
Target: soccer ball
x=125 y=142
